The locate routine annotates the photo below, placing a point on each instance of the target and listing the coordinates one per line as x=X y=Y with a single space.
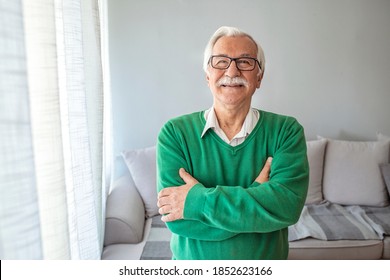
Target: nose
x=232 y=71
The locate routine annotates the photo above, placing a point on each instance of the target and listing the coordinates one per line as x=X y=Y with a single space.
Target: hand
x=171 y=200
x=264 y=173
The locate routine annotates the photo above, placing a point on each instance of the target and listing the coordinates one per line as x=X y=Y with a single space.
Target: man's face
x=234 y=96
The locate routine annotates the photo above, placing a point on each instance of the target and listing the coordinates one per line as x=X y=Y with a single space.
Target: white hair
x=230 y=32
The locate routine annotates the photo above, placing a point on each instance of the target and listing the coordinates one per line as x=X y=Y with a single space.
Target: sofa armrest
x=125 y=213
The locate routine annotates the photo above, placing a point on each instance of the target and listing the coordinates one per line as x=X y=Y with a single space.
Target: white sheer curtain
x=52 y=194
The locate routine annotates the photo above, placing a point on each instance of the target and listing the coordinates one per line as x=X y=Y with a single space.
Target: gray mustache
x=236 y=81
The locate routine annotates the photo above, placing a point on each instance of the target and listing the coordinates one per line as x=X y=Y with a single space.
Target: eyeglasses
x=223 y=62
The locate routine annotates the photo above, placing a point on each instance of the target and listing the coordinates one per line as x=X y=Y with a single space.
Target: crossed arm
x=171 y=200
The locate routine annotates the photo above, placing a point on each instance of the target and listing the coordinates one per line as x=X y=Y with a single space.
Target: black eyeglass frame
x=234 y=59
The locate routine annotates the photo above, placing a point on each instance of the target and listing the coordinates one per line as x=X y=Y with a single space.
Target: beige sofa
x=346 y=216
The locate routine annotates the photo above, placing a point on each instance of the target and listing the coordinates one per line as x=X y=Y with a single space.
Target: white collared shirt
x=249 y=124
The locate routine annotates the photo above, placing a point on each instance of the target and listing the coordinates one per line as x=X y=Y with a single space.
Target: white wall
x=327 y=63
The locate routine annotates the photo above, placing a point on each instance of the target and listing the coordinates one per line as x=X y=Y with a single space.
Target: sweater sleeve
x=170 y=158
x=265 y=207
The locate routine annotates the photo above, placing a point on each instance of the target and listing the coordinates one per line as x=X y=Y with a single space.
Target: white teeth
x=232 y=85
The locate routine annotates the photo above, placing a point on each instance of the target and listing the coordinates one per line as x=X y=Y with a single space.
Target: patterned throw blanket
x=325 y=221
x=329 y=221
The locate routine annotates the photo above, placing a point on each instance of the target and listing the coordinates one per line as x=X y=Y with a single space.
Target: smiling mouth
x=234 y=85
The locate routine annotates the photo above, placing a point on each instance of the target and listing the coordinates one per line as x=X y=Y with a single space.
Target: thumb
x=187 y=178
x=268 y=162
x=267 y=166
x=264 y=173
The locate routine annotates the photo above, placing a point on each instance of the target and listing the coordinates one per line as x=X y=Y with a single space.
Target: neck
x=231 y=120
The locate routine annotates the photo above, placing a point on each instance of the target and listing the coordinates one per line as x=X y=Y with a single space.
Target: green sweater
x=228 y=215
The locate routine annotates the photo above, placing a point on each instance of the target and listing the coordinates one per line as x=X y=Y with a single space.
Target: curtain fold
x=64 y=112
x=42 y=69
x=20 y=234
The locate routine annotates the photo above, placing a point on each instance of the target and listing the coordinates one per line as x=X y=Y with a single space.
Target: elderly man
x=219 y=193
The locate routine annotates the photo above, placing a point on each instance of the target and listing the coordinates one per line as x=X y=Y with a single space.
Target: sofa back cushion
x=385 y=169
x=142 y=167
x=352 y=174
x=383 y=137
x=315 y=156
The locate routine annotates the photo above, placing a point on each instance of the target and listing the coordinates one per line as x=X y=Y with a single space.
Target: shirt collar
x=211 y=121
x=249 y=124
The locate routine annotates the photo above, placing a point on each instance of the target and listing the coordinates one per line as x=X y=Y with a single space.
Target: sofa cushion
x=125 y=251
x=352 y=175
x=125 y=213
x=386 y=248
x=315 y=155
x=385 y=169
x=142 y=166
x=382 y=137
x=314 y=249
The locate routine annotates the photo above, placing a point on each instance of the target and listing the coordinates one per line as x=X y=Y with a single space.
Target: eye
x=245 y=61
x=221 y=61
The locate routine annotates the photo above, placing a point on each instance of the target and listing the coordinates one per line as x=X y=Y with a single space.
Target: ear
x=208 y=79
x=259 y=78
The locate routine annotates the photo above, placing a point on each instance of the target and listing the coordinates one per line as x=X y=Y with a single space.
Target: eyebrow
x=245 y=55
x=241 y=55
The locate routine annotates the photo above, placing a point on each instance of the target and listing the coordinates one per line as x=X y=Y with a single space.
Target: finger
x=161 y=202
x=170 y=217
x=165 y=192
x=164 y=210
x=165 y=218
x=161 y=193
x=187 y=178
x=267 y=167
x=264 y=174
